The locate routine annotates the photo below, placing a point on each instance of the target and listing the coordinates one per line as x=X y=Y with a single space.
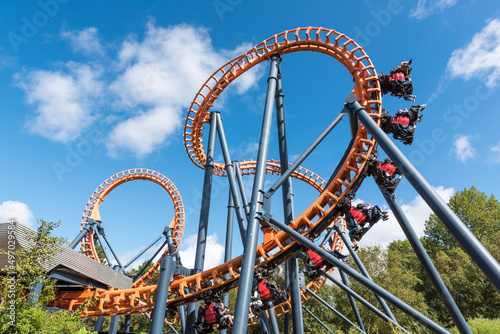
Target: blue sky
x=92 y=88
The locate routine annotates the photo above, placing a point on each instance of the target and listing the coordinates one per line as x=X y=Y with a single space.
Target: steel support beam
x=229 y=244
x=354 y=274
x=363 y=270
x=317 y=319
x=305 y=154
x=272 y=317
x=35 y=291
x=331 y=308
x=353 y=302
x=204 y=214
x=98 y=324
x=139 y=274
x=264 y=323
x=237 y=170
x=426 y=262
x=167 y=267
x=362 y=300
x=113 y=325
x=85 y=230
x=248 y=262
x=128 y=318
x=182 y=313
x=233 y=188
x=288 y=212
x=143 y=251
x=484 y=260
x=286 y=325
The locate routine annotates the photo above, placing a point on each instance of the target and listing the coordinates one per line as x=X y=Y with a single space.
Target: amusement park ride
x=171 y=293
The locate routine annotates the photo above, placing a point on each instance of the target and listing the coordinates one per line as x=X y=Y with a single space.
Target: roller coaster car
x=313 y=262
x=209 y=318
x=405 y=122
x=398 y=82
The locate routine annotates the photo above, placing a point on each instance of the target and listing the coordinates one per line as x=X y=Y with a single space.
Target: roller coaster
x=170 y=294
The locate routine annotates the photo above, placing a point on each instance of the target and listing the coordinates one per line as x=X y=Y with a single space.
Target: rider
x=265 y=293
x=386 y=174
x=404 y=123
x=398 y=82
x=357 y=219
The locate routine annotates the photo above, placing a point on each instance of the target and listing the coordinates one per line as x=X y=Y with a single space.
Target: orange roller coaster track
x=277 y=247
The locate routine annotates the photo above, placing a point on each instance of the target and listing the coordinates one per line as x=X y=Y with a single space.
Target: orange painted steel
x=95 y=201
x=275 y=250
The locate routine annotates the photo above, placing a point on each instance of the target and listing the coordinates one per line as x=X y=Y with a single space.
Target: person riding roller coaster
x=386 y=174
x=403 y=124
x=265 y=293
x=313 y=262
x=398 y=82
x=360 y=219
x=212 y=313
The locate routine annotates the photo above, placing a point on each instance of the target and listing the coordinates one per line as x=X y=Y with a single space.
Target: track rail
x=275 y=249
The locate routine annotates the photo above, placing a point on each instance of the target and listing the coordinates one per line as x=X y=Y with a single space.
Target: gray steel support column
x=233 y=189
x=360 y=278
x=331 y=308
x=353 y=302
x=248 y=262
x=35 y=291
x=363 y=270
x=85 y=230
x=272 y=317
x=362 y=300
x=203 y=225
x=353 y=122
x=229 y=244
x=293 y=264
x=286 y=317
x=317 y=319
x=167 y=267
x=426 y=262
x=484 y=260
x=113 y=325
x=139 y=274
x=98 y=324
x=102 y=246
x=182 y=313
x=264 y=323
x=172 y=328
x=237 y=170
x=112 y=251
x=128 y=318
x=305 y=154
x=143 y=251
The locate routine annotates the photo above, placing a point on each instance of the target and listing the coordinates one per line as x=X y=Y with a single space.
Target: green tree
x=24 y=269
x=478 y=212
x=474 y=294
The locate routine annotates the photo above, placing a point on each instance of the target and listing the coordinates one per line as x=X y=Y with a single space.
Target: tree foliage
x=24 y=269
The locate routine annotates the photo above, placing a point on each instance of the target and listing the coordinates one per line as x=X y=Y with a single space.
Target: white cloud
x=17 y=211
x=480 y=58
x=64 y=100
x=142 y=133
x=425 y=8
x=214 y=251
x=462 y=148
x=85 y=40
x=162 y=73
x=495 y=150
x=152 y=83
x=417 y=212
